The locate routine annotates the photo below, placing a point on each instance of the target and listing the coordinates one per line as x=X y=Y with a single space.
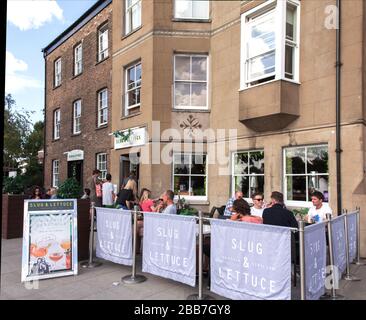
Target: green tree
x=33 y=143
x=16 y=129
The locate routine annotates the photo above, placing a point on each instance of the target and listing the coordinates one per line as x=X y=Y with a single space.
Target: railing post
x=358 y=260
x=200 y=295
x=134 y=278
x=334 y=295
x=302 y=258
x=90 y=263
x=348 y=275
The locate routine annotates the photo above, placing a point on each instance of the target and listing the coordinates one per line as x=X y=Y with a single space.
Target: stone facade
x=85 y=86
x=305 y=121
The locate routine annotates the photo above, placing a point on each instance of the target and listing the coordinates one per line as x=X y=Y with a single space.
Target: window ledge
x=76 y=134
x=270 y=81
x=192 y=110
x=197 y=20
x=298 y=204
x=77 y=75
x=100 y=61
x=103 y=126
x=131 y=32
x=131 y=115
x=55 y=140
x=55 y=87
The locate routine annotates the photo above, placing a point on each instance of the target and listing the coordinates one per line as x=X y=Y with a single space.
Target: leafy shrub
x=300 y=212
x=14 y=185
x=69 y=189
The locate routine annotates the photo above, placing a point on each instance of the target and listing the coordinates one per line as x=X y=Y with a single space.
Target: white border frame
x=207 y=55
x=280 y=13
x=232 y=185
x=26 y=245
x=190 y=198
x=297 y=203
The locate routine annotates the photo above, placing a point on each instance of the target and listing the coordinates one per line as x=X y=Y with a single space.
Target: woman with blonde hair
x=126 y=198
x=146 y=203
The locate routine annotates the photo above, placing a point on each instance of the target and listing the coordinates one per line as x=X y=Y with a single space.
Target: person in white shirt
x=258 y=204
x=108 y=192
x=319 y=210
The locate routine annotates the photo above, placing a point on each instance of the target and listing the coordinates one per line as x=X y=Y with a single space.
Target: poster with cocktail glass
x=49 y=239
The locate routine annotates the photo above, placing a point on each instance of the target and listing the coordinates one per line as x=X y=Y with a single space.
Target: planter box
x=13 y=214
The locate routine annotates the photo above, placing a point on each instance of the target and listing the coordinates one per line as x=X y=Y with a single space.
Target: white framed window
x=102 y=164
x=247 y=172
x=190 y=175
x=78 y=59
x=57 y=67
x=103 y=42
x=76 y=117
x=55 y=173
x=133 y=89
x=190 y=81
x=305 y=170
x=132 y=15
x=56 y=124
x=191 y=9
x=102 y=107
x=270 y=41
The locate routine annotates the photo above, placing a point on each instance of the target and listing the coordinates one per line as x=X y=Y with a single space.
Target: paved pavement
x=104 y=283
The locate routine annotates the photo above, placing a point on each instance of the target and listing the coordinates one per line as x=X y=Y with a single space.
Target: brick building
x=78 y=90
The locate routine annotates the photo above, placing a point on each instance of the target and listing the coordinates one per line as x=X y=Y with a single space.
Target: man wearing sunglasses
x=258 y=204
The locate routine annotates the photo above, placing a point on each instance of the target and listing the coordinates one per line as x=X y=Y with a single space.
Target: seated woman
x=241 y=212
x=146 y=203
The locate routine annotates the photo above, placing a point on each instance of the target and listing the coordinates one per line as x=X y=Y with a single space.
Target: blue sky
x=32 y=25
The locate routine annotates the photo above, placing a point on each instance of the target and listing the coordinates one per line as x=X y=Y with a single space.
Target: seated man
x=277 y=215
x=319 y=210
x=168 y=203
x=229 y=204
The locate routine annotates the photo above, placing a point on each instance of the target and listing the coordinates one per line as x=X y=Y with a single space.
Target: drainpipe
x=338 y=108
x=45 y=113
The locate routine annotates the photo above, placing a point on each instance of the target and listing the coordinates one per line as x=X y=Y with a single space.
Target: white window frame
x=56 y=124
x=297 y=203
x=137 y=86
x=128 y=13
x=102 y=161
x=58 y=70
x=78 y=59
x=102 y=107
x=192 y=81
x=76 y=111
x=191 y=17
x=233 y=175
x=280 y=10
x=55 y=173
x=190 y=197
x=103 y=38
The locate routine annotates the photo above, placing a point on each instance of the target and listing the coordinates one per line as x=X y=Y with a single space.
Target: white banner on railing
x=315 y=260
x=250 y=261
x=114 y=235
x=352 y=235
x=169 y=247
x=339 y=244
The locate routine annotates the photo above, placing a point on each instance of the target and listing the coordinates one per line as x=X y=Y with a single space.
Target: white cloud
x=16 y=80
x=32 y=14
